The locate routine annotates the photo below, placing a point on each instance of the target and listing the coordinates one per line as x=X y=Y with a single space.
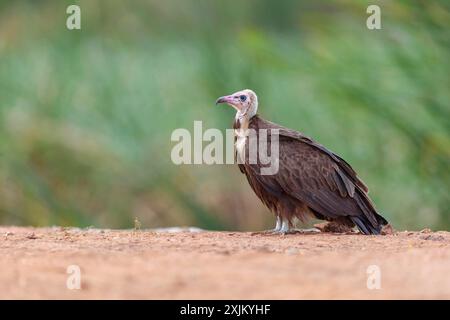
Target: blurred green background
x=86 y=116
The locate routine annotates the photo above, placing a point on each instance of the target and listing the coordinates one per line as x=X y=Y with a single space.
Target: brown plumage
x=311 y=181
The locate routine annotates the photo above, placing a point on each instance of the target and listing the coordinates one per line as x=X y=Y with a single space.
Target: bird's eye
x=243 y=98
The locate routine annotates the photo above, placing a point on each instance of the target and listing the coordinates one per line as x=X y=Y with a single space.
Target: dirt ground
x=221 y=265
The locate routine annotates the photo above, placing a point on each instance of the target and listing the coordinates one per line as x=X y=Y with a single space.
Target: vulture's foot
x=283 y=227
x=265 y=232
x=275 y=231
x=287 y=228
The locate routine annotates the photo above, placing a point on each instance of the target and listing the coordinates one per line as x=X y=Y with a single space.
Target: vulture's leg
x=277 y=225
x=288 y=228
x=275 y=230
x=285 y=227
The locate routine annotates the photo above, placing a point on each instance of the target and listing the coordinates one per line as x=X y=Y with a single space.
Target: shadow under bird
x=311 y=180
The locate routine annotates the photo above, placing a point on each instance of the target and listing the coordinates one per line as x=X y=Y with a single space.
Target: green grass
x=86 y=116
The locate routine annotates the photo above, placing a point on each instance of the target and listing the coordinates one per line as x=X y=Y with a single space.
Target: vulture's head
x=245 y=102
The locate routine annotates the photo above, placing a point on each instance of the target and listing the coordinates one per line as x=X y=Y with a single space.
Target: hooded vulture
x=311 y=181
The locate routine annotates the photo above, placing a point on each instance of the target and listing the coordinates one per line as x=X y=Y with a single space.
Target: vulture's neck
x=242 y=119
x=241 y=124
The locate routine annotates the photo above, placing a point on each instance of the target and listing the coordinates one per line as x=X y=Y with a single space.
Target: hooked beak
x=225 y=99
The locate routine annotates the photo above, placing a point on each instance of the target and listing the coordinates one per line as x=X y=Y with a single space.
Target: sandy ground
x=221 y=265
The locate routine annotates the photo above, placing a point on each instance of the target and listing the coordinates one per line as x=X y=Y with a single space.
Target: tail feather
x=366 y=227
x=370 y=221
